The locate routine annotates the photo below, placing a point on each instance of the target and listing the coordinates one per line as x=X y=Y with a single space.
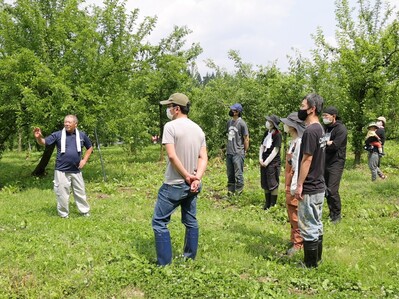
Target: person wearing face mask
x=311 y=187
x=269 y=161
x=295 y=128
x=237 y=147
x=336 y=138
x=185 y=146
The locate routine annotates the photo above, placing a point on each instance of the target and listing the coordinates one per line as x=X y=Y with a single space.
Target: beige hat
x=373 y=124
x=383 y=119
x=176 y=98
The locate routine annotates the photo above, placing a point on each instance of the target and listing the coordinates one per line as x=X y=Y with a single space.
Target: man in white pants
x=68 y=164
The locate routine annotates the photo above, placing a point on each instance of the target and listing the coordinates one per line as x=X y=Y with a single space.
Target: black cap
x=331 y=110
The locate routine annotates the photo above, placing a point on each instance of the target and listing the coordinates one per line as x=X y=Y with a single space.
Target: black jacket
x=337 y=150
x=381 y=133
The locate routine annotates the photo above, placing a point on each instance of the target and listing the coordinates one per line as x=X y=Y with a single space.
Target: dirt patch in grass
x=102 y=196
x=131 y=293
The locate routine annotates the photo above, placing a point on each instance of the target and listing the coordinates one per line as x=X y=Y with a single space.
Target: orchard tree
x=359 y=67
x=261 y=92
x=165 y=68
x=60 y=58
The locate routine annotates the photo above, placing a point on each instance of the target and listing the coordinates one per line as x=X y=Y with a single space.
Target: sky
x=262 y=31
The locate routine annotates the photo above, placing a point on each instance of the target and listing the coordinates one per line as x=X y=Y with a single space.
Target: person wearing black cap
x=185 y=146
x=269 y=160
x=311 y=188
x=336 y=138
x=237 y=147
x=295 y=128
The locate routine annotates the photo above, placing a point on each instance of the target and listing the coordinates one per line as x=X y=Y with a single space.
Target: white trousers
x=63 y=181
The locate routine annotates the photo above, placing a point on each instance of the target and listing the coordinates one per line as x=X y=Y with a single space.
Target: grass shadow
x=270 y=246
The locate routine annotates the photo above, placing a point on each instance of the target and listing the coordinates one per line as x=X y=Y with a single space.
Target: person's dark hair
x=184 y=109
x=314 y=100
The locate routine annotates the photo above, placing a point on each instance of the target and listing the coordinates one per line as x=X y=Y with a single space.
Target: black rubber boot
x=267 y=201
x=319 y=248
x=273 y=200
x=310 y=250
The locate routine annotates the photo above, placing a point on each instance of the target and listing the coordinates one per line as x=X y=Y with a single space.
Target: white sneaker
x=86 y=214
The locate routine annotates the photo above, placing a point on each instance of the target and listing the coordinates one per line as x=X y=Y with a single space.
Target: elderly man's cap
x=177 y=99
x=292 y=120
x=274 y=119
x=237 y=107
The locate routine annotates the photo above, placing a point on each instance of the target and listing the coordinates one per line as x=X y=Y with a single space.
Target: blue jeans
x=309 y=216
x=169 y=198
x=235 y=170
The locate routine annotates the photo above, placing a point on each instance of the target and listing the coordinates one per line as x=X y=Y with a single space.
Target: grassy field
x=241 y=250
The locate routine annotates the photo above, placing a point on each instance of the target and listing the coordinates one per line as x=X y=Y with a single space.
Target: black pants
x=332 y=176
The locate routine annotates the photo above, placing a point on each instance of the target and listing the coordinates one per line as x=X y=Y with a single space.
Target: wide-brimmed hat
x=237 y=107
x=383 y=119
x=292 y=120
x=274 y=119
x=373 y=124
x=177 y=99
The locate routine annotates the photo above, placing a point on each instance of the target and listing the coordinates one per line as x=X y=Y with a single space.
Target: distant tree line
x=59 y=57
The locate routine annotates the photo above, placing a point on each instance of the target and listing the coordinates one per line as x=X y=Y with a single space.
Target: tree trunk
x=40 y=169
x=19 y=140
x=357 y=157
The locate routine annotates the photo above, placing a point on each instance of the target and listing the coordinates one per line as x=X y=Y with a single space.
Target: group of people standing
x=314 y=165
x=187 y=159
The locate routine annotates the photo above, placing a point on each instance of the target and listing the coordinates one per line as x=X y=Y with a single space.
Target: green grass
x=241 y=250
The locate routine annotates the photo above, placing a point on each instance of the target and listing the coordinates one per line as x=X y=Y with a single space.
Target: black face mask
x=302 y=114
x=231 y=113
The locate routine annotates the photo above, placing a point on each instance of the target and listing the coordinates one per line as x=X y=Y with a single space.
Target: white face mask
x=326 y=121
x=268 y=125
x=169 y=114
x=286 y=128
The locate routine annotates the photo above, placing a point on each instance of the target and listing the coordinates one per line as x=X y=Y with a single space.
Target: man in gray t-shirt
x=185 y=145
x=237 y=147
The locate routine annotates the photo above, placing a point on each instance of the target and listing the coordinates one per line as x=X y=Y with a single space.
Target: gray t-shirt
x=236 y=130
x=188 y=139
